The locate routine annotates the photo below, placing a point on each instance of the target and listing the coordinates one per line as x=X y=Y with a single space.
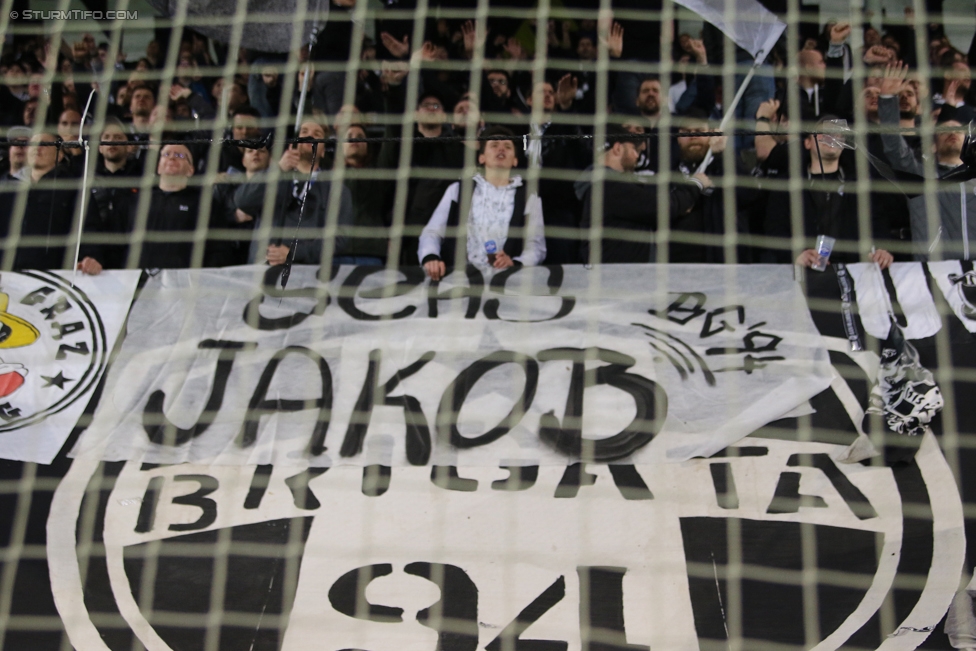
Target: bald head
x=812 y=65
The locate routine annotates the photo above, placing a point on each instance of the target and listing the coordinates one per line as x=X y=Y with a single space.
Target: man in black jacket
x=174 y=208
x=630 y=217
x=707 y=216
x=829 y=207
x=48 y=211
x=112 y=200
x=557 y=156
x=428 y=154
x=300 y=166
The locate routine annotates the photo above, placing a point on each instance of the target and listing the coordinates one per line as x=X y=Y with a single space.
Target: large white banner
x=626 y=363
x=56 y=333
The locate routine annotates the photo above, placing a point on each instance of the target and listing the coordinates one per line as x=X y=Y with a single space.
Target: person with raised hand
x=955 y=232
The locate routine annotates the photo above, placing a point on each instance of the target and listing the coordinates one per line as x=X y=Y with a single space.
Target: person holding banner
x=48 y=210
x=174 y=208
x=504 y=225
x=111 y=205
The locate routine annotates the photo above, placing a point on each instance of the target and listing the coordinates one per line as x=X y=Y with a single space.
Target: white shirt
x=488 y=220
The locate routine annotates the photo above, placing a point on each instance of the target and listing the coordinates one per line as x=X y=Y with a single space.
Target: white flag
x=752 y=27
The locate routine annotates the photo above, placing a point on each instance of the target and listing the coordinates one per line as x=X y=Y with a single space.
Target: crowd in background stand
x=695 y=208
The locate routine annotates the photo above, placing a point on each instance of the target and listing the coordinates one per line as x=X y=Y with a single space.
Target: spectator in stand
x=368 y=240
x=48 y=212
x=697 y=88
x=583 y=82
x=642 y=45
x=161 y=113
x=649 y=99
x=504 y=225
x=498 y=94
x=629 y=214
x=69 y=127
x=771 y=116
x=811 y=83
x=954 y=235
x=829 y=207
x=188 y=76
x=836 y=95
x=584 y=101
x=463 y=110
x=123 y=96
x=244 y=126
x=423 y=192
x=199 y=107
x=649 y=107
x=18 y=137
x=237 y=96
x=888 y=202
x=369 y=88
x=141 y=104
x=233 y=245
x=956 y=81
x=301 y=165
x=112 y=202
x=559 y=203
x=13 y=94
x=333 y=45
x=29 y=115
x=443 y=83
x=707 y=215
x=154 y=55
x=174 y=208
x=903 y=35
x=872 y=37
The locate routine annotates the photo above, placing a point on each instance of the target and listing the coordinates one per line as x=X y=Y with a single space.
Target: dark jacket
x=230 y=243
x=833 y=97
x=630 y=216
x=288 y=214
x=48 y=214
x=171 y=213
x=111 y=203
x=707 y=217
x=829 y=207
x=560 y=204
x=335 y=40
x=423 y=193
x=372 y=200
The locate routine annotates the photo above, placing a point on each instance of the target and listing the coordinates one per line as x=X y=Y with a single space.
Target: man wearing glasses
x=500 y=96
x=173 y=208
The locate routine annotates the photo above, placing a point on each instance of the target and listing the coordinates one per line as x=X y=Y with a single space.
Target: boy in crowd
x=504 y=226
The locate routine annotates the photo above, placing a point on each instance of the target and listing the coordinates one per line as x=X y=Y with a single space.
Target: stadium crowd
x=542 y=194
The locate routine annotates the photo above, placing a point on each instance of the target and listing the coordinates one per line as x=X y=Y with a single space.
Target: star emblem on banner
x=58 y=380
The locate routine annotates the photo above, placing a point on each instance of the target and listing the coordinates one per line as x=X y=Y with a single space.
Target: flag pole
x=709 y=157
x=290 y=257
x=84 y=188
